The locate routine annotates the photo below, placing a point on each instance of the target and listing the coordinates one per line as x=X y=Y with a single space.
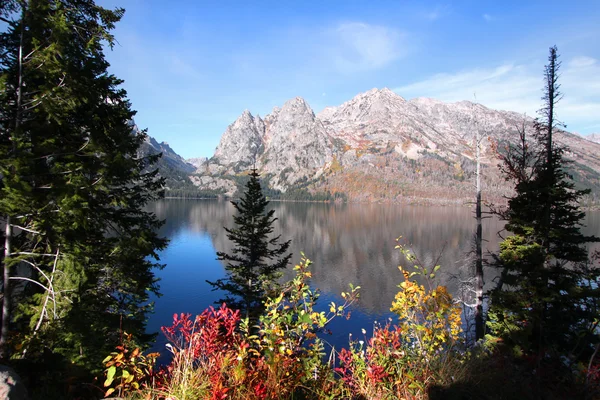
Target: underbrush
x=218 y=355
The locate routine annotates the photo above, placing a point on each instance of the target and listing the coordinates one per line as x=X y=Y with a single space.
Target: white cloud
x=487 y=17
x=518 y=87
x=358 y=46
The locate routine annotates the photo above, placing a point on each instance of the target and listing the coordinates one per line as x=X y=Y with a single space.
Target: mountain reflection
x=350 y=243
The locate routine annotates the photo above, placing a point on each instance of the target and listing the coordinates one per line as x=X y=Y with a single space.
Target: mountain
x=594 y=137
x=170 y=165
x=378 y=146
x=197 y=162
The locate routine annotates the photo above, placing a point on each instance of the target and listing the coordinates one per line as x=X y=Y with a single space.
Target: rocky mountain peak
x=296 y=106
x=381 y=93
x=594 y=137
x=366 y=113
x=242 y=141
x=296 y=143
x=245 y=117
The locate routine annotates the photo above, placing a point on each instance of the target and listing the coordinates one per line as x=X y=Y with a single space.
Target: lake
x=348 y=243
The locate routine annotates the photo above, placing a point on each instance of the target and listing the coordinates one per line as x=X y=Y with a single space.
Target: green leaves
x=71 y=174
x=535 y=302
x=110 y=375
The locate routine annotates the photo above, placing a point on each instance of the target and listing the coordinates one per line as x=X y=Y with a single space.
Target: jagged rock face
x=241 y=143
x=373 y=106
x=297 y=144
x=380 y=117
x=214 y=183
x=379 y=146
x=370 y=116
x=289 y=144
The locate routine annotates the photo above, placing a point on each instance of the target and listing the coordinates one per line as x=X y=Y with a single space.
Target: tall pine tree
x=256 y=261
x=78 y=245
x=543 y=264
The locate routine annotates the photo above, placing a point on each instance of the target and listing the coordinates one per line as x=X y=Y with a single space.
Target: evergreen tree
x=72 y=187
x=543 y=294
x=256 y=261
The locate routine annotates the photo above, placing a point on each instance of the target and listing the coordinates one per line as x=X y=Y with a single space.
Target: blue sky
x=191 y=67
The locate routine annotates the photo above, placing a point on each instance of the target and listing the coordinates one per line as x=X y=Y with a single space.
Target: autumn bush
x=423 y=349
x=219 y=355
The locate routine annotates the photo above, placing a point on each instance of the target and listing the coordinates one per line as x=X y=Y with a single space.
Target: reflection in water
x=348 y=243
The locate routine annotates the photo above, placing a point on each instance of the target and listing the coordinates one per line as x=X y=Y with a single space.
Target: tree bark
x=6 y=299
x=479 y=318
x=7 y=287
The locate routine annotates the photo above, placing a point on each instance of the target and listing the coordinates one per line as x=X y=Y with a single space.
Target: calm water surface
x=348 y=243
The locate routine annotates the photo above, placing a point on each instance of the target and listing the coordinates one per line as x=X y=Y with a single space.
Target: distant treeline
x=272 y=194
x=193 y=194
x=185 y=189
x=304 y=195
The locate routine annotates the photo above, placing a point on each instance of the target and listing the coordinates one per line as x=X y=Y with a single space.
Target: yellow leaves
x=411 y=288
x=429 y=318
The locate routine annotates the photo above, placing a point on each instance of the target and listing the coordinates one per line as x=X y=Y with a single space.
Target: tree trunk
x=7 y=289
x=6 y=300
x=479 y=319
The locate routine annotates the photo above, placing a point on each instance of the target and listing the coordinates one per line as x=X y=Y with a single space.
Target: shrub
x=128 y=370
x=218 y=355
x=404 y=361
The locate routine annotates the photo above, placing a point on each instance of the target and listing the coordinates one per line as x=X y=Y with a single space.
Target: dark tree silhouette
x=256 y=261
x=543 y=296
x=72 y=187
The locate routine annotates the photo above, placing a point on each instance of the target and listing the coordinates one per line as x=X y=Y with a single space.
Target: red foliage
x=382 y=348
x=209 y=333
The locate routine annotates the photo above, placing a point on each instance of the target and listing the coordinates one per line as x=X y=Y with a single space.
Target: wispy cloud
x=487 y=17
x=321 y=54
x=359 y=46
x=518 y=87
x=436 y=13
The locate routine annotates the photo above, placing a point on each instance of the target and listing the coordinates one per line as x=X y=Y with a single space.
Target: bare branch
x=22 y=278
x=25 y=229
x=28 y=253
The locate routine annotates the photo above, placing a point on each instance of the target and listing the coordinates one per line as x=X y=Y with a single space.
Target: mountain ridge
x=378 y=146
